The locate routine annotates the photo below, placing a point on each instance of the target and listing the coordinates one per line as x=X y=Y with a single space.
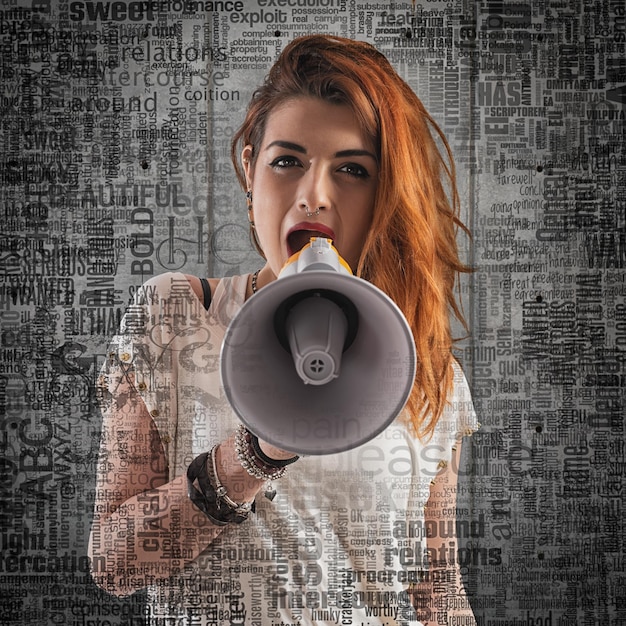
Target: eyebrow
x=288 y=145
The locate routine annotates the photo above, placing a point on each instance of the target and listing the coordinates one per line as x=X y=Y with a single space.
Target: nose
x=315 y=191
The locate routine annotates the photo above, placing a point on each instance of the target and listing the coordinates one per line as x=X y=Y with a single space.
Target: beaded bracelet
x=254 y=461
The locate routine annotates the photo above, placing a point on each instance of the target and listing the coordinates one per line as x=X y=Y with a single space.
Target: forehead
x=308 y=117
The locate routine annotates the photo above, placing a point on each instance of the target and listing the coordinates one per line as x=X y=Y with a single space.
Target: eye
x=283 y=162
x=355 y=170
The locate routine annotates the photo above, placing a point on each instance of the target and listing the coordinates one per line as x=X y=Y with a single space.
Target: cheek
x=354 y=248
x=360 y=232
x=268 y=221
x=363 y=222
x=266 y=225
x=270 y=196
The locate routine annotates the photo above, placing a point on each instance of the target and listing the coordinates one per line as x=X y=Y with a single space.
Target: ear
x=246 y=161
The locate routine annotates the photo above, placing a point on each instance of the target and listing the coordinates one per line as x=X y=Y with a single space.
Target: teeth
x=318 y=234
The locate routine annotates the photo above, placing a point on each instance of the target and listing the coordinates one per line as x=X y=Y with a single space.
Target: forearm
x=155 y=534
x=145 y=539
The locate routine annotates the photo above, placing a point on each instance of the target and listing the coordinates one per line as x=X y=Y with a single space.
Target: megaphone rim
x=305 y=281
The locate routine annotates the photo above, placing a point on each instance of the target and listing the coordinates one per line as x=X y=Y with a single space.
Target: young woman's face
x=315 y=174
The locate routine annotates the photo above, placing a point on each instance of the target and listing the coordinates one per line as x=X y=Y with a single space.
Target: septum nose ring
x=312 y=213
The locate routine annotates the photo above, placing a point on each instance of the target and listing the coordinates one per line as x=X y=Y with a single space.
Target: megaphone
x=318 y=361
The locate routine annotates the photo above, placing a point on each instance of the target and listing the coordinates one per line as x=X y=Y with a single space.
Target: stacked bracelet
x=212 y=498
x=239 y=510
x=254 y=460
x=204 y=501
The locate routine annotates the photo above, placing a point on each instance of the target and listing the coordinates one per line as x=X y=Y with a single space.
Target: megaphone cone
x=318 y=361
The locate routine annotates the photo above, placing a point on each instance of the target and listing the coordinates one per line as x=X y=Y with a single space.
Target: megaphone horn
x=318 y=361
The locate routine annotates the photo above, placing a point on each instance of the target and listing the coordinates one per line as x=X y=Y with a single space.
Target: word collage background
x=116 y=120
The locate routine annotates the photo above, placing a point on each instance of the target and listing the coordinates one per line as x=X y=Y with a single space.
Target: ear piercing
x=253 y=233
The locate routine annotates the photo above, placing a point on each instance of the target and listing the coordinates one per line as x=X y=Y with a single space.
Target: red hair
x=411 y=252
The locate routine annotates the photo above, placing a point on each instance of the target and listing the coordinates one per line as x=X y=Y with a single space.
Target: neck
x=264 y=277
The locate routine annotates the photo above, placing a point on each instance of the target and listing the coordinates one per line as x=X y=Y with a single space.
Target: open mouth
x=299 y=236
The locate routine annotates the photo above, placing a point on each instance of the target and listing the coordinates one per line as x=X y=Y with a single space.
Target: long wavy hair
x=411 y=251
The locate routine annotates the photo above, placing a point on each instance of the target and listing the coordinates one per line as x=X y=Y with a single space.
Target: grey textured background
x=115 y=125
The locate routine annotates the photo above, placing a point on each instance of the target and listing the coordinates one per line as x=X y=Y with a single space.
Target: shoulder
x=230 y=289
x=196 y=285
x=460 y=413
x=163 y=285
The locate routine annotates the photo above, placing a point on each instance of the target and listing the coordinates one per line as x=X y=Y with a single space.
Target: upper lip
x=313 y=227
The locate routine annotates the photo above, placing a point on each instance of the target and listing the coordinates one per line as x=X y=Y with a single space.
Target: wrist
x=255 y=461
x=270 y=454
x=207 y=492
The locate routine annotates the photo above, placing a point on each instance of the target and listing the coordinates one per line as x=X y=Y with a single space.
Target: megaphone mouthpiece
x=316 y=330
x=318 y=255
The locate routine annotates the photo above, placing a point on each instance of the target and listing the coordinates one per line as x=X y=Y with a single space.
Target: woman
x=334 y=144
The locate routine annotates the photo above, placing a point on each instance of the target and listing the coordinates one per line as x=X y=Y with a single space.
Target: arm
x=146 y=529
x=444 y=577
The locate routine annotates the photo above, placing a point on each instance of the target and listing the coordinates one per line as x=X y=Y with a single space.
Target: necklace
x=254 y=279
